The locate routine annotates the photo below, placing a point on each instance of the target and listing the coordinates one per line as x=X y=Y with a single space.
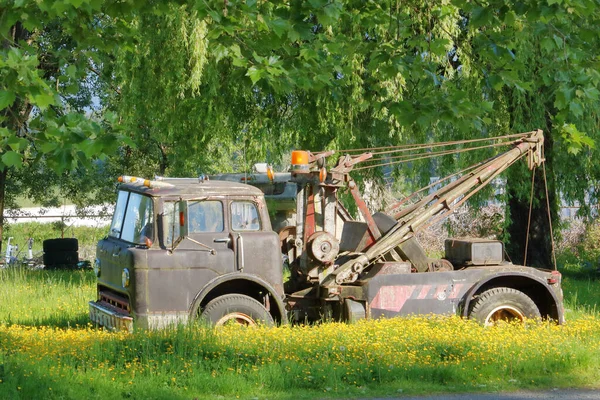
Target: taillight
x=554 y=278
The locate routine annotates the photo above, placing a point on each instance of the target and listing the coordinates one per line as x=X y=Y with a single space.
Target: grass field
x=49 y=351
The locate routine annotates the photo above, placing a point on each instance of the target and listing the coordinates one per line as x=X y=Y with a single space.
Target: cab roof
x=192 y=187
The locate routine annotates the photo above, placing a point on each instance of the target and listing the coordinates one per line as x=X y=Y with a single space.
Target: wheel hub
x=236 y=318
x=504 y=313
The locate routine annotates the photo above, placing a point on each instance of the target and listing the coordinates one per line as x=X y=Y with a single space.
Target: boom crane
x=441 y=203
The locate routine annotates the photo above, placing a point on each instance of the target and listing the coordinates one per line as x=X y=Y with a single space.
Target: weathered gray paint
x=447 y=292
x=165 y=284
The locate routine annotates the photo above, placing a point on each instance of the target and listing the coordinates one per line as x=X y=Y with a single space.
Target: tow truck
x=191 y=249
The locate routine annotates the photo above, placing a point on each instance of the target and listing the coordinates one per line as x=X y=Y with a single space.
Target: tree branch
x=95 y=71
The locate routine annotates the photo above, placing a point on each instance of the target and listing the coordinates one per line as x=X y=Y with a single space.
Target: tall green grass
x=45 y=298
x=48 y=350
x=581 y=287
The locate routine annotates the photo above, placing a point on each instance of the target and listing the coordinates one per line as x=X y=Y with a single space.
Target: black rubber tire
x=59 y=258
x=56 y=267
x=65 y=244
x=502 y=303
x=237 y=308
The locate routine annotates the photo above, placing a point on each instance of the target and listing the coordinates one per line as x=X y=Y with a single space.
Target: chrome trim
x=109 y=319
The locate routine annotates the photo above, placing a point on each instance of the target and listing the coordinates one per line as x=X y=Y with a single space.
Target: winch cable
x=406 y=157
x=421 y=156
x=439 y=181
x=529 y=217
x=408 y=147
x=471 y=194
x=549 y=216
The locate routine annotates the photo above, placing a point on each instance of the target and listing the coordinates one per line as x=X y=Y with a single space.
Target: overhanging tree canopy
x=197 y=84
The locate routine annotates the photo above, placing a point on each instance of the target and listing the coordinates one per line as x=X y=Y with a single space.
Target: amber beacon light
x=299 y=161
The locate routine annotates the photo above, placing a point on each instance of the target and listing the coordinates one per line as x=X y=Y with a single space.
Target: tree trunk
x=539 y=246
x=15 y=116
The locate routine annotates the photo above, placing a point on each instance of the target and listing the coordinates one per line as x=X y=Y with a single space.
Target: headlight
x=97 y=267
x=125 y=278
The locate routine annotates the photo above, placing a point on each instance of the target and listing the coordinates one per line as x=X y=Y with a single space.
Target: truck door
x=209 y=244
x=256 y=246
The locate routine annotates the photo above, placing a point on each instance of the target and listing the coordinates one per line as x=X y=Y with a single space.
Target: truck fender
x=504 y=275
x=195 y=305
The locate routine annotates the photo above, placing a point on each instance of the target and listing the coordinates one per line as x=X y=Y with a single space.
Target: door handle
x=240 y=252
x=222 y=240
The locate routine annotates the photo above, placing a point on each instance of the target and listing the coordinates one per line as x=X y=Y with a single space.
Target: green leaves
x=12 y=159
x=481 y=16
x=7 y=98
x=279 y=26
x=42 y=100
x=575 y=140
x=255 y=74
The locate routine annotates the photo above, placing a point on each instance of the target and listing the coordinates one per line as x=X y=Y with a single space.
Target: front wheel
x=503 y=304
x=238 y=309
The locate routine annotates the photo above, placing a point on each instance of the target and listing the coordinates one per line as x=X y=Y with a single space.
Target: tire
x=236 y=308
x=61 y=267
x=503 y=304
x=60 y=258
x=55 y=245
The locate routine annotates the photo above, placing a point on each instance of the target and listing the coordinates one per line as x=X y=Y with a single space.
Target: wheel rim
x=504 y=313
x=236 y=318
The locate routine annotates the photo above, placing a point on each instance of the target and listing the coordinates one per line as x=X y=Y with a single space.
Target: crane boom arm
x=439 y=204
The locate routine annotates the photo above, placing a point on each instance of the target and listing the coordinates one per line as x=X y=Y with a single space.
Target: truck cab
x=182 y=249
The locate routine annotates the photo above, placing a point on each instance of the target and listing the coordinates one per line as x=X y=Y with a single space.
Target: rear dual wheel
x=236 y=309
x=503 y=304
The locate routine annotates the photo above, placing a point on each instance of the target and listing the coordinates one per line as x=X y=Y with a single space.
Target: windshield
x=133 y=220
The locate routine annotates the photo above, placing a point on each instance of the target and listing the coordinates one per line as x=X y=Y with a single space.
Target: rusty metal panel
x=353 y=235
x=364 y=210
x=419 y=293
x=474 y=251
x=450 y=292
x=385 y=268
x=411 y=250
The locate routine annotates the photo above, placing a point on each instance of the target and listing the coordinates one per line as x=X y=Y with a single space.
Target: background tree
x=343 y=74
x=216 y=86
x=48 y=50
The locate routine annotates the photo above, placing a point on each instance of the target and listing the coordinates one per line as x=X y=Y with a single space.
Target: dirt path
x=558 y=394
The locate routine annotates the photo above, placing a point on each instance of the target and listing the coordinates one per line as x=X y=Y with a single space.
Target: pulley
x=323 y=247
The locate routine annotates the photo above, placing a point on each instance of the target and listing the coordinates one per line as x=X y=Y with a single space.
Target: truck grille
x=115 y=301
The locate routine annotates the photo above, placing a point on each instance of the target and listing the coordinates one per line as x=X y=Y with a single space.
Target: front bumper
x=110 y=319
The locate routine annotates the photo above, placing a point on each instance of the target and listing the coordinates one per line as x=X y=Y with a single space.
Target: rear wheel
x=237 y=309
x=503 y=304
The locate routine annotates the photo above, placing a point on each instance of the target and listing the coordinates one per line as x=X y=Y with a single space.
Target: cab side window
x=244 y=216
x=205 y=216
